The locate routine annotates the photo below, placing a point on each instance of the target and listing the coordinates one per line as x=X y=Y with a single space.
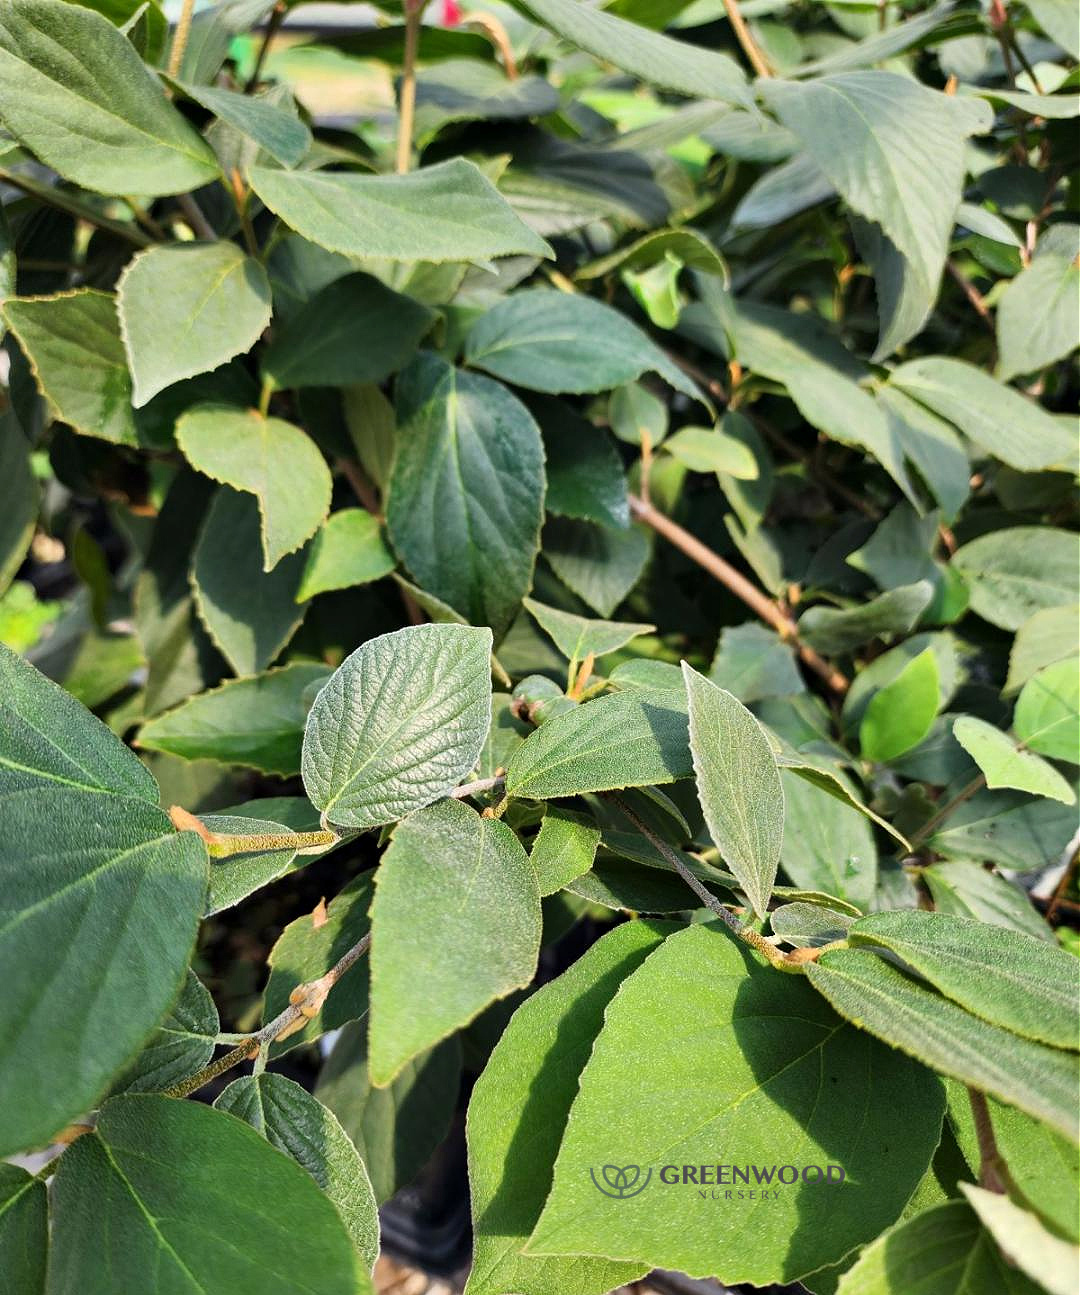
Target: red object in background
x=451 y=13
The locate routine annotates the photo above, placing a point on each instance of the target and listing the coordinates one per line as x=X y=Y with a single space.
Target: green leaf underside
x=138 y=1196
x=466 y=493
x=456 y=908
x=1041 y=1255
x=833 y=631
x=447 y=212
x=282 y=135
x=398 y=724
x=1022 y=984
x=236 y=876
x=730 y=1054
x=182 y=1044
x=564 y=849
x=296 y=1123
x=273 y=460
x=915 y=1019
x=534 y=1070
x=738 y=786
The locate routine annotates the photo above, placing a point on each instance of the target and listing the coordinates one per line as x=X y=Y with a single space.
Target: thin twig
x=974 y=296
x=931 y=825
x=750 y=47
x=240 y=198
x=414 y=10
x=738 y=584
x=1057 y=900
x=195 y=217
x=362 y=487
x=73 y=207
x=305 y=1001
x=497 y=34
x=821 y=474
x=992 y=1171
x=277 y=14
x=180 y=38
x=480 y=785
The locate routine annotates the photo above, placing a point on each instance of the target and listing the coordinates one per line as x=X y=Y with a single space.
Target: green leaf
x=447 y=212
x=356 y=330
x=24 y=1230
x=236 y=876
x=893 y=148
x=658 y=60
x=1055 y=17
x=766 y=1074
x=969 y=890
x=469 y=89
x=187 y=307
x=832 y=630
x=1036 y=316
x=290 y=1119
x=280 y=133
x=76 y=353
x=917 y=1020
x=347 y=550
x=1047 y=717
x=577 y=637
x=466 y=493
x=168 y=1188
x=398 y=724
x=828 y=845
x=93 y=881
x=558 y=342
x=624 y=740
x=533 y=1072
x=707 y=449
x=1015 y=572
x=599 y=564
x=1022 y=984
x=457 y=910
x=752 y=662
x=1047 y=636
x=1025 y=1242
x=1007 y=765
x=257 y=723
x=900 y=715
x=182 y=1044
x=1008 y=828
x=738 y=785
x=271 y=459
x=394 y=1129
x=305 y=951
x=564 y=849
x=635 y=415
x=248 y=612
x=931 y=444
x=685 y=245
x=805 y=926
x=1002 y=422
x=941 y=1251
x=74 y=91
x=585 y=477
x=21 y=499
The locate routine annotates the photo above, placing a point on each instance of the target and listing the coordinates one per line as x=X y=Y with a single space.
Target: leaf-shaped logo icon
x=620 y=1181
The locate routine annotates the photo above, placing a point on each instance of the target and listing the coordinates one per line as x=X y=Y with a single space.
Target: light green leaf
x=447 y=212
x=182 y=1044
x=658 y=60
x=24 y=1230
x=893 y=148
x=807 y=926
x=931 y=444
x=456 y=910
x=1001 y=422
x=564 y=849
x=636 y=415
x=752 y=662
x=305 y=951
x=187 y=307
x=74 y=91
x=1014 y=572
x=466 y=493
x=249 y=613
x=280 y=133
x=1037 y=316
x=290 y=1119
x=558 y=342
x=941 y=1251
x=394 y=1129
x=1025 y=1242
x=917 y=1020
x=901 y=713
x=704 y=449
x=738 y=785
x=1047 y=636
x=257 y=722
x=138 y=1196
x=832 y=630
x=1005 y=764
x=969 y=890
x=599 y=564
x=347 y=550
x=355 y=330
x=399 y=723
x=1056 y=18
x=533 y=1072
x=271 y=459
x=1009 y=979
x=686 y=245
x=577 y=637
x=630 y=739
x=1047 y=717
x=21 y=499
x=775 y=1083
x=828 y=845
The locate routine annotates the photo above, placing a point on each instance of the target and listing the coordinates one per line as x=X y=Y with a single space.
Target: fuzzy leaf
x=1007 y=765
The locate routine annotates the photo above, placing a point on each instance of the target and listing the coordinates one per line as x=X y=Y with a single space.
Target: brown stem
x=992 y=1173
x=1058 y=898
x=274 y=22
x=497 y=34
x=362 y=487
x=750 y=47
x=180 y=38
x=195 y=217
x=407 y=89
x=935 y=820
x=742 y=588
x=974 y=296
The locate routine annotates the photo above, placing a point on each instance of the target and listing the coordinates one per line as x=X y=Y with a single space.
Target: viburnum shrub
x=329 y=452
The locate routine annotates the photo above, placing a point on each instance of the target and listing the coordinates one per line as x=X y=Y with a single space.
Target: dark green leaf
x=24 y=1230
